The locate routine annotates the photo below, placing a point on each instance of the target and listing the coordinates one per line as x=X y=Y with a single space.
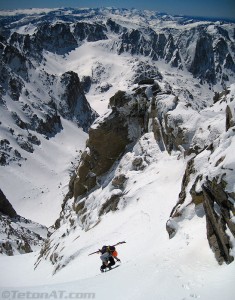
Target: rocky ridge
x=208 y=180
x=205 y=49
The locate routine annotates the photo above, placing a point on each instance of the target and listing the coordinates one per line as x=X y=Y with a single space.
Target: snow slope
x=153 y=267
x=43 y=178
x=95 y=59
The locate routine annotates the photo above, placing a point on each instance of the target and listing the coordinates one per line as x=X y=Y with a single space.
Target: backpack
x=110 y=249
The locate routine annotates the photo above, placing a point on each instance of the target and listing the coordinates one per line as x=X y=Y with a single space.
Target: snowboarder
x=108 y=256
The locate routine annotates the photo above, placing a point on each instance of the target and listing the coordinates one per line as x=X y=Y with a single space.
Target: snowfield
x=43 y=179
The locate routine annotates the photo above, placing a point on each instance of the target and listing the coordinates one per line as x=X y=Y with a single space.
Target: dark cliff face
x=135 y=42
x=114 y=27
x=214 y=194
x=111 y=136
x=73 y=103
x=29 y=46
x=203 y=62
x=5 y=206
x=91 y=32
x=107 y=141
x=16 y=61
x=56 y=38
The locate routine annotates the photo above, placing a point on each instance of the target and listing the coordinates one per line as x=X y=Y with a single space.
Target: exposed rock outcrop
x=209 y=180
x=73 y=103
x=131 y=116
x=18 y=235
x=108 y=139
x=56 y=38
x=5 y=206
x=203 y=62
x=218 y=221
x=16 y=61
x=91 y=32
x=29 y=45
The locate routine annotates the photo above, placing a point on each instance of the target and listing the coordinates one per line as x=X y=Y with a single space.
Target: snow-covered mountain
x=158 y=161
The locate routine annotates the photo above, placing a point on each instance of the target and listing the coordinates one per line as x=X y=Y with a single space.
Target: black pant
x=110 y=264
